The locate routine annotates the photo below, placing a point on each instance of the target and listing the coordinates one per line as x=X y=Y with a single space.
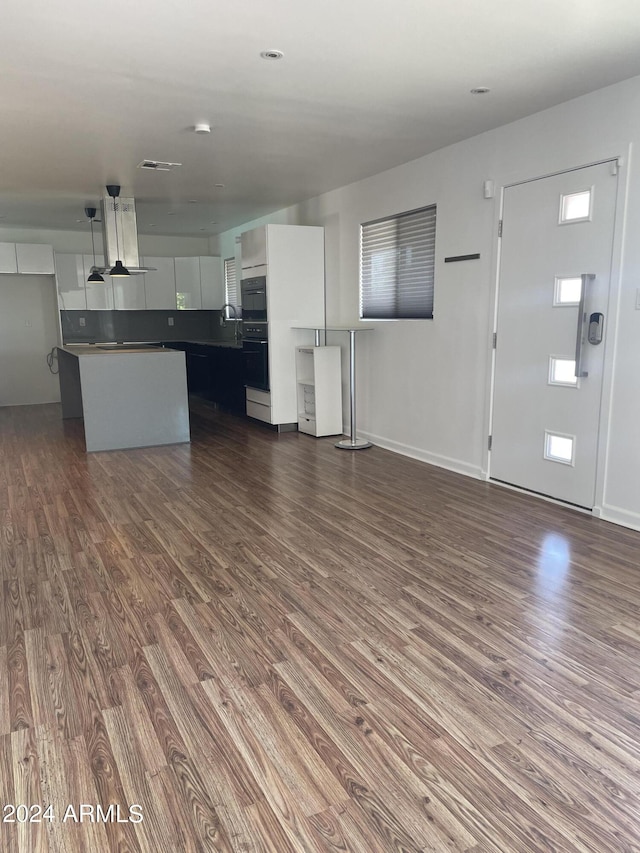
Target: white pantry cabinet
x=294 y=272
x=253 y=250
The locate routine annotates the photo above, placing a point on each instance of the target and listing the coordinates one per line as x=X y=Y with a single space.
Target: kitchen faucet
x=223 y=319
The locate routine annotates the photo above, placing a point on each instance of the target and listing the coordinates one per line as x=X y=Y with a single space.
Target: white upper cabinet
x=211 y=283
x=253 y=249
x=188 y=290
x=70 y=282
x=160 y=284
x=35 y=259
x=99 y=294
x=8 y=260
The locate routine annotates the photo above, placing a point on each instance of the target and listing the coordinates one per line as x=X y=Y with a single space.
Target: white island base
x=134 y=397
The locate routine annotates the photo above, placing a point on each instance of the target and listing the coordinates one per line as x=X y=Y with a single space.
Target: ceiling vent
x=157 y=165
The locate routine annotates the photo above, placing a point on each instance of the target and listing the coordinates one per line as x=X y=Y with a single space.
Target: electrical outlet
x=83 y=321
x=170 y=321
x=638 y=299
x=28 y=324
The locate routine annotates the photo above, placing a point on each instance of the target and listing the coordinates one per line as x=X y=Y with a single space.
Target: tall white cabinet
x=292 y=259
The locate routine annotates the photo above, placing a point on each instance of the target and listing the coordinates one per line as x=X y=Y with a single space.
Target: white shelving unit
x=318 y=376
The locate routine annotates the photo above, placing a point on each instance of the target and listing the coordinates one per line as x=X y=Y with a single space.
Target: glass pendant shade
x=118 y=270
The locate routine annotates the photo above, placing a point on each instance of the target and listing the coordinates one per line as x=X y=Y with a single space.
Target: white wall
x=28 y=331
x=424 y=385
x=80 y=241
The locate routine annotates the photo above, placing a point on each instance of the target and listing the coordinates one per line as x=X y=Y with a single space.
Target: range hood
x=124 y=245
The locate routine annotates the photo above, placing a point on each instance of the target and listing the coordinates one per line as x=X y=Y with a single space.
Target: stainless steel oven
x=255 y=355
x=254 y=299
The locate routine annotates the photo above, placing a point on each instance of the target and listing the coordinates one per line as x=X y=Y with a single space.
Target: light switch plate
x=170 y=321
x=638 y=299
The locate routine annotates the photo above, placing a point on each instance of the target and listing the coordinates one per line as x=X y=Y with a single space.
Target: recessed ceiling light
x=151 y=225
x=272 y=54
x=201 y=127
x=193 y=201
x=480 y=90
x=219 y=186
x=171 y=213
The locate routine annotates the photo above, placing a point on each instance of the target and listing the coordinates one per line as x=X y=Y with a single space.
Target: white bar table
x=353 y=442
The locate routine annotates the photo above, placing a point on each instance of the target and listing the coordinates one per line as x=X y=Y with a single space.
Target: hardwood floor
x=270 y=645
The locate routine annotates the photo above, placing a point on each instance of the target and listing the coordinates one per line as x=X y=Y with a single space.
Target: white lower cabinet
x=259 y=404
x=319 y=388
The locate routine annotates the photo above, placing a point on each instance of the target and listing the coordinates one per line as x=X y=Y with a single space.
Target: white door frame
x=621 y=161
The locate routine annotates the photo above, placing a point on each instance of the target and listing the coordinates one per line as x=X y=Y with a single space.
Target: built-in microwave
x=254 y=299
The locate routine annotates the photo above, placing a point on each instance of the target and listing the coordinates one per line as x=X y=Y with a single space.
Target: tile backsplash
x=90 y=327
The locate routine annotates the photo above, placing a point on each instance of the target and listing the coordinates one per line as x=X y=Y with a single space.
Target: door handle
x=596 y=326
x=587 y=278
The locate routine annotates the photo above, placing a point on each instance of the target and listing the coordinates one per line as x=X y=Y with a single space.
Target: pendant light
x=118 y=270
x=95 y=277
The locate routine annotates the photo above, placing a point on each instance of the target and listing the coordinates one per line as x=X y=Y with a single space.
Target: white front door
x=557 y=239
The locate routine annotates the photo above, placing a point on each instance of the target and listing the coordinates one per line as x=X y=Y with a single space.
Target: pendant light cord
x=93 y=245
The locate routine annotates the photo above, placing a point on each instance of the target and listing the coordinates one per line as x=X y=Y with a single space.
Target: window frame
x=228 y=298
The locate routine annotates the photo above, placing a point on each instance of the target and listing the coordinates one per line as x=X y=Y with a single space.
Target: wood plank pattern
x=272 y=646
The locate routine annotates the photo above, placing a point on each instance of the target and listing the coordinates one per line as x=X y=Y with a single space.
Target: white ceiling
x=89 y=89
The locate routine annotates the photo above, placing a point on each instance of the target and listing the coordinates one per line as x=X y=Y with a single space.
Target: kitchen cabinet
x=211 y=283
x=35 y=259
x=160 y=284
x=188 y=290
x=319 y=386
x=199 y=283
x=99 y=294
x=128 y=293
x=8 y=259
x=294 y=274
x=70 y=282
x=253 y=250
x=215 y=373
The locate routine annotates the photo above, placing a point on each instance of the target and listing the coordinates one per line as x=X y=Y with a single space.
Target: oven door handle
x=252 y=341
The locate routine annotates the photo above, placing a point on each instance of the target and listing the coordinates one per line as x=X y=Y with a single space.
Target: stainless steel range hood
x=124 y=245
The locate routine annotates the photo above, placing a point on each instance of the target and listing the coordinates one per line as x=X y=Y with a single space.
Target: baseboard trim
x=620 y=516
x=451 y=464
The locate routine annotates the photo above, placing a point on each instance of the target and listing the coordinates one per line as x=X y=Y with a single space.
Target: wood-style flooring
x=268 y=644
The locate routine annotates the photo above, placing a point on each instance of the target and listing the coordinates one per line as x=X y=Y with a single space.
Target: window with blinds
x=231 y=289
x=397 y=260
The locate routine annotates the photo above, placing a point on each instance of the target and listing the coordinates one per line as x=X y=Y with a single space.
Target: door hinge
x=495 y=340
x=500 y=228
x=490 y=442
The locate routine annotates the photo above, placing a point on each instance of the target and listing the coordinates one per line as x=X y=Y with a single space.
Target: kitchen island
x=128 y=395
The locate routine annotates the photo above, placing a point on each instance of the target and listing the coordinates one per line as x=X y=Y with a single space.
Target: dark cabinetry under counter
x=215 y=373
